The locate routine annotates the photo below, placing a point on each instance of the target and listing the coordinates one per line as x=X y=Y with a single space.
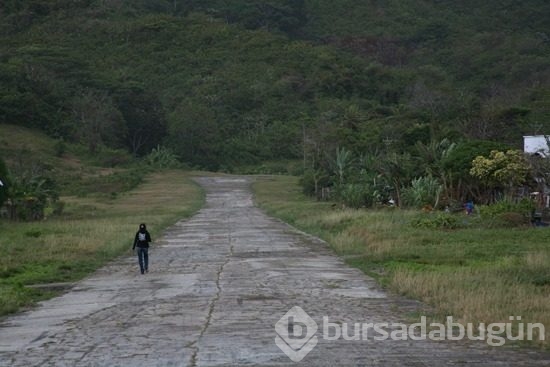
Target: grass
x=472 y=273
x=91 y=231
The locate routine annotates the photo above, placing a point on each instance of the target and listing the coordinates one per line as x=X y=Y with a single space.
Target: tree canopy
x=226 y=83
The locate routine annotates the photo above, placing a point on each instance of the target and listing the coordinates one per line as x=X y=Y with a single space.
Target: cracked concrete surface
x=217 y=285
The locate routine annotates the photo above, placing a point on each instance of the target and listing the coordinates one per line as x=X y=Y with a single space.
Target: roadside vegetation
x=89 y=218
x=477 y=268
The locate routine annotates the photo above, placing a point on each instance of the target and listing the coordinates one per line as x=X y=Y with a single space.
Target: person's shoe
x=146 y=270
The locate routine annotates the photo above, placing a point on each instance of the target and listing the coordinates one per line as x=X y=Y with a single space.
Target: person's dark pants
x=143 y=258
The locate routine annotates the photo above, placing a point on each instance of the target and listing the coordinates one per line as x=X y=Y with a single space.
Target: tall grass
x=473 y=273
x=91 y=231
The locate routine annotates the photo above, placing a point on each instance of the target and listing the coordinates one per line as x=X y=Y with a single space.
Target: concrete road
x=219 y=292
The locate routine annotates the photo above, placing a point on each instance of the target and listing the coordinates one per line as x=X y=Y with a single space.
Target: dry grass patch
x=476 y=296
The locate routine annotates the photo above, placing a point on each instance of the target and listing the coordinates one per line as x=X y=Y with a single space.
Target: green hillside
x=31 y=155
x=224 y=84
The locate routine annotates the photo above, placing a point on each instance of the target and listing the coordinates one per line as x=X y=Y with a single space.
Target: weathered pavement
x=218 y=284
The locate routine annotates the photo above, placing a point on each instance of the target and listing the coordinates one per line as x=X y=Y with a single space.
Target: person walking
x=141 y=241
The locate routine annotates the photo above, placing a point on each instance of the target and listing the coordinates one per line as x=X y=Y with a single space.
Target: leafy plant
x=508 y=169
x=423 y=191
x=342 y=162
x=358 y=195
x=29 y=194
x=161 y=158
x=524 y=207
x=313 y=181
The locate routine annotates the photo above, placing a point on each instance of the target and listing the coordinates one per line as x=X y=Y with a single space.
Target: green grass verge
x=91 y=231
x=472 y=273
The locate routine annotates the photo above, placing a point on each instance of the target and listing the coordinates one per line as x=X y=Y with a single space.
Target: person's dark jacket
x=140 y=243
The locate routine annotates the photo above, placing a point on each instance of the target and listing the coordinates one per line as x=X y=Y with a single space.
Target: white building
x=539 y=144
x=536 y=144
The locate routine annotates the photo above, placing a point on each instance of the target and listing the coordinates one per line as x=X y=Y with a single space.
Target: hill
x=230 y=83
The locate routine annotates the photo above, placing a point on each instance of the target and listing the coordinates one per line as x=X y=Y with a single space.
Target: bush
x=113 y=157
x=436 y=221
x=512 y=219
x=358 y=195
x=313 y=181
x=524 y=207
x=30 y=192
x=352 y=195
x=423 y=191
x=161 y=158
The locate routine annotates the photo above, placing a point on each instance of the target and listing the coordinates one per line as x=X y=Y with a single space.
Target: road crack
x=213 y=303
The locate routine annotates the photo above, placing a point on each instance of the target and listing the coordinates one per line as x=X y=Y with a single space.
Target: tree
x=144 y=119
x=456 y=165
x=502 y=170
x=432 y=156
x=195 y=135
x=397 y=169
x=423 y=191
x=283 y=15
x=100 y=122
x=31 y=189
x=342 y=163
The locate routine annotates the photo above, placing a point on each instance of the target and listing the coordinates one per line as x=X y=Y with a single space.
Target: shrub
x=513 y=219
x=358 y=195
x=352 y=195
x=30 y=191
x=161 y=158
x=524 y=207
x=313 y=181
x=113 y=157
x=436 y=221
x=423 y=191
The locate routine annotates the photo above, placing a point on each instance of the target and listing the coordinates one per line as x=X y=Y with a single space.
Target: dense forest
x=373 y=97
